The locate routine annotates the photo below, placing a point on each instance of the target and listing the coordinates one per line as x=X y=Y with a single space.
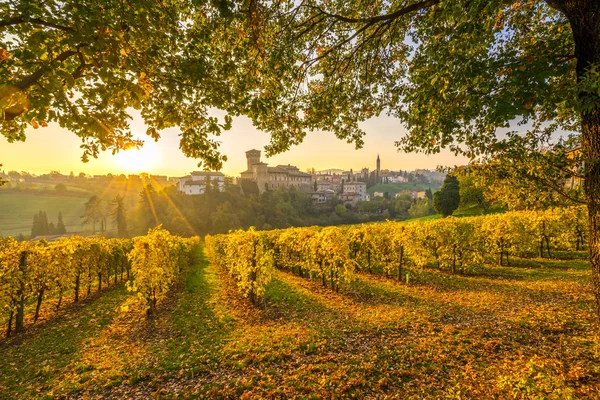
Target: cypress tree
x=119 y=215
x=60 y=226
x=44 y=228
x=429 y=194
x=35 y=228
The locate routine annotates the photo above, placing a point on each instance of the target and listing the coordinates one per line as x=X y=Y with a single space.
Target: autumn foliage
x=34 y=271
x=334 y=255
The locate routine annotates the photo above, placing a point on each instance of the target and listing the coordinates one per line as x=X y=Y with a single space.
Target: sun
x=138 y=160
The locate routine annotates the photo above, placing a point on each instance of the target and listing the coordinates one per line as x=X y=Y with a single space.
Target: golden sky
x=54 y=148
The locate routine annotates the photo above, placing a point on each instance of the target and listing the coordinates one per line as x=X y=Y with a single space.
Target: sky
x=54 y=148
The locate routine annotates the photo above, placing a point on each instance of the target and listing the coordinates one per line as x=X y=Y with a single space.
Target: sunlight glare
x=138 y=160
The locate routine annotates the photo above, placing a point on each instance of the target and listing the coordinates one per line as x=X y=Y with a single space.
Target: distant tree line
x=41 y=226
x=97 y=212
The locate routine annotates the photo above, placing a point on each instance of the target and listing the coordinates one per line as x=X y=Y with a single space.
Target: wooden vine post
x=21 y=293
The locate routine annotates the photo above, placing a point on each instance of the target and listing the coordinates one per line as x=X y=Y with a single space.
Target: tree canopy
x=453 y=72
x=447 y=199
x=87 y=65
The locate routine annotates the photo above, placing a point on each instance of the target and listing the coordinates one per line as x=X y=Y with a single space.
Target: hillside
x=519 y=331
x=17 y=205
x=17 y=210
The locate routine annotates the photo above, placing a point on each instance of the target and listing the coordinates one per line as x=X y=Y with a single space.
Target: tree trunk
x=591 y=129
x=454 y=259
x=77 y=279
x=21 y=294
x=20 y=312
x=60 y=294
x=331 y=278
x=10 y=320
x=89 y=282
x=585 y=24
x=400 y=261
x=38 y=305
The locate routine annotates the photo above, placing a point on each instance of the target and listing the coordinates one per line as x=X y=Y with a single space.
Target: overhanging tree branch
x=33 y=78
x=20 y=19
x=380 y=18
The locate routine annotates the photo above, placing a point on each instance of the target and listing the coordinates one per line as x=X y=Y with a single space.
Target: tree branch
x=557 y=5
x=383 y=20
x=82 y=66
x=33 y=78
x=380 y=18
x=36 y=21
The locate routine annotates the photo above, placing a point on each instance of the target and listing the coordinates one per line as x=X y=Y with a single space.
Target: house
x=323 y=186
x=196 y=182
x=394 y=179
x=320 y=197
x=377 y=194
x=351 y=199
x=417 y=195
x=359 y=188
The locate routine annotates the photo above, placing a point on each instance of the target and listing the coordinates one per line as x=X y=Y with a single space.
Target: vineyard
x=33 y=271
x=481 y=307
x=334 y=255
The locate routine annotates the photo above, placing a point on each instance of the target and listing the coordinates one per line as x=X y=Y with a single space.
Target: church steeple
x=378 y=168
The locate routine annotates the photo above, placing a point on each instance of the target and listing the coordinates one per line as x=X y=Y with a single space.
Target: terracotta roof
x=276 y=169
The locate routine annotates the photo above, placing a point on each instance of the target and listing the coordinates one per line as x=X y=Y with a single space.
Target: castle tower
x=252 y=157
x=378 y=168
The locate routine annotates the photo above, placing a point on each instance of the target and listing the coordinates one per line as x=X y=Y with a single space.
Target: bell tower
x=252 y=157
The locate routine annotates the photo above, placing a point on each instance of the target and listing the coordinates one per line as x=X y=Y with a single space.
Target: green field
x=17 y=210
x=48 y=187
x=525 y=331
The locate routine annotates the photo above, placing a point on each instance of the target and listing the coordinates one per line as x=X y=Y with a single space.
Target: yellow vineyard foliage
x=334 y=254
x=39 y=270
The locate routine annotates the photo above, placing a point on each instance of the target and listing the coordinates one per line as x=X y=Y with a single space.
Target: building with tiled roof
x=196 y=182
x=270 y=178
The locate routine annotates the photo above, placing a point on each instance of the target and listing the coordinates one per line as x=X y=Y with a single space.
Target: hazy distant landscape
x=17 y=210
x=25 y=196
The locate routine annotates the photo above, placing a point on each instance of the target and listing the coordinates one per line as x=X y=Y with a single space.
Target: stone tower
x=378 y=168
x=252 y=157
